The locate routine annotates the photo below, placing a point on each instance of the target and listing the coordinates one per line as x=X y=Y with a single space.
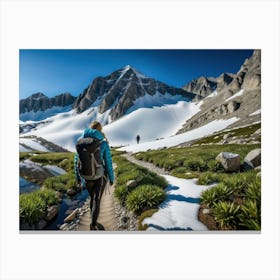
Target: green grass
x=51 y=158
x=135 y=199
x=33 y=205
x=143 y=216
x=246 y=132
x=61 y=183
x=235 y=201
x=195 y=160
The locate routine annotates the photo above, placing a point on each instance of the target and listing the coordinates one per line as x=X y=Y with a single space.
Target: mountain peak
x=133 y=70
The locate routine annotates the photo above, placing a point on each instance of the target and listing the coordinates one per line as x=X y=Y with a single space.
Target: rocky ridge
x=40 y=102
x=230 y=95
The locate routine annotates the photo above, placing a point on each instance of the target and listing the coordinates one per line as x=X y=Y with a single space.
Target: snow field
x=197 y=133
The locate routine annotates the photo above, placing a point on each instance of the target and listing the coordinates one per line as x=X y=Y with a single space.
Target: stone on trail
x=229 y=161
x=72 y=216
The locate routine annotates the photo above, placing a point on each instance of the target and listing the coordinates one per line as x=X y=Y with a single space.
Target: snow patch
x=256 y=113
x=239 y=93
x=179 y=210
x=158 y=99
x=33 y=144
x=150 y=123
x=41 y=115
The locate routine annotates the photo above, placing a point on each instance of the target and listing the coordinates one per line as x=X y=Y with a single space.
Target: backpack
x=89 y=163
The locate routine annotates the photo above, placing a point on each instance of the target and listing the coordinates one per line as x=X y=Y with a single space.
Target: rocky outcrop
x=119 y=90
x=40 y=102
x=253 y=159
x=237 y=95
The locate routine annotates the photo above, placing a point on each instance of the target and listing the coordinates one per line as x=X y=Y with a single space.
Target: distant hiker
x=93 y=165
x=137 y=139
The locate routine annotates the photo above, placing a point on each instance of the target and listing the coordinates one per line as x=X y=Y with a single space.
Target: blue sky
x=57 y=71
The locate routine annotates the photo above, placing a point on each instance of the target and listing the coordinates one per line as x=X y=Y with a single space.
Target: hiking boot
x=97 y=227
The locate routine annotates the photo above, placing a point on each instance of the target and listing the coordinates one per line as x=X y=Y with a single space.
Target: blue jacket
x=104 y=150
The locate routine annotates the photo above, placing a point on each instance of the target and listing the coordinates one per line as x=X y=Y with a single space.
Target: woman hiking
x=93 y=166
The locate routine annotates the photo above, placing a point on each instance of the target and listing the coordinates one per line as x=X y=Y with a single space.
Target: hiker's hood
x=93 y=133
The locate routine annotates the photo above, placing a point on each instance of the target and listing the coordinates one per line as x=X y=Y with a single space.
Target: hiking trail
x=106 y=215
x=146 y=164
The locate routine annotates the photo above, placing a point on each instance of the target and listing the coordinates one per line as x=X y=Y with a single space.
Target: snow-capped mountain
x=38 y=106
x=121 y=90
x=128 y=103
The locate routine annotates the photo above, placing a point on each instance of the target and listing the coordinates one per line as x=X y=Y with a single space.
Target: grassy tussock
x=149 y=190
x=33 y=205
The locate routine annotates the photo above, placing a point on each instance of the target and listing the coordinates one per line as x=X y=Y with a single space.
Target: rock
x=226 y=136
x=223 y=142
x=72 y=216
x=230 y=161
x=233 y=106
x=258 y=132
x=59 y=194
x=253 y=158
x=258 y=168
x=41 y=224
x=240 y=141
x=247 y=166
x=206 y=211
x=132 y=184
x=26 y=226
x=52 y=211
x=71 y=192
x=64 y=226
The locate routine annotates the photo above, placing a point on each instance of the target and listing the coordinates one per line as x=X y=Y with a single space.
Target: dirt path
x=148 y=165
x=106 y=216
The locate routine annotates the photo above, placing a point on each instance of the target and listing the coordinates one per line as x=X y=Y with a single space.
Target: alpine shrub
x=144 y=197
x=226 y=214
x=121 y=193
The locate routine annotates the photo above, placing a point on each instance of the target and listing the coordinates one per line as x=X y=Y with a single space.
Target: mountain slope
x=233 y=95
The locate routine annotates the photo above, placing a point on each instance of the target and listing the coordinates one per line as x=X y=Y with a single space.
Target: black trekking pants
x=95 y=189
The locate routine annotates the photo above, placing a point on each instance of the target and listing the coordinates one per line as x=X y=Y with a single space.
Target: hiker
x=137 y=139
x=93 y=166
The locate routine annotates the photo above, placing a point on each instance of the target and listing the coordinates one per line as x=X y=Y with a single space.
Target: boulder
x=132 y=184
x=253 y=158
x=72 y=216
x=230 y=161
x=52 y=211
